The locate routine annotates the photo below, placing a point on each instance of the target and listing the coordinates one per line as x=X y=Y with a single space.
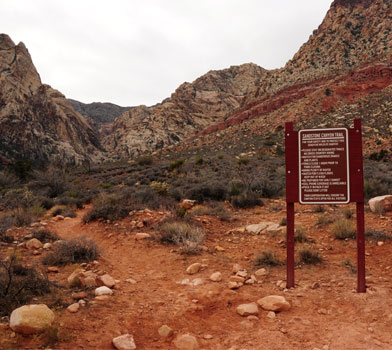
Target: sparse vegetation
x=308 y=256
x=19 y=284
x=188 y=237
x=324 y=220
x=301 y=236
x=343 y=229
x=45 y=235
x=267 y=258
x=247 y=200
x=349 y=265
x=376 y=235
x=76 y=250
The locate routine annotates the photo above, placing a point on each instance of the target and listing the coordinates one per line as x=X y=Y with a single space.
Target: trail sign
x=323 y=166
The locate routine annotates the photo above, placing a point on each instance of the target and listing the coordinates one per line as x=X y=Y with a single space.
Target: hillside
x=347 y=59
x=36 y=121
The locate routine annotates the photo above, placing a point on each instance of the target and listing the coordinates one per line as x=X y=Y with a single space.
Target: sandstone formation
x=36 y=121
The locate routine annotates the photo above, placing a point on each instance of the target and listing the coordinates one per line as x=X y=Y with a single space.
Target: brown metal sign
x=323 y=166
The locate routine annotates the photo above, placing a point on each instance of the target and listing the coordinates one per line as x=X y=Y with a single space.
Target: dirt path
x=331 y=315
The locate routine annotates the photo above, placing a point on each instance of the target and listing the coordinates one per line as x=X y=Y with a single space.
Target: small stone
x=79 y=295
x=236 y=268
x=186 y=342
x=380 y=243
x=252 y=318
x=242 y=273
x=103 y=291
x=261 y=272
x=274 y=303
x=315 y=285
x=233 y=285
x=107 y=280
x=322 y=311
x=47 y=246
x=197 y=282
x=58 y=218
x=74 y=279
x=271 y=314
x=207 y=336
x=101 y=297
x=82 y=302
x=218 y=248
x=141 y=235
x=165 y=331
x=194 y=268
x=237 y=279
x=53 y=269
x=247 y=309
x=73 y=308
x=216 y=277
x=130 y=280
x=124 y=342
x=33 y=244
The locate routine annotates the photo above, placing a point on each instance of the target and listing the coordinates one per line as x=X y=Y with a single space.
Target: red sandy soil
x=332 y=316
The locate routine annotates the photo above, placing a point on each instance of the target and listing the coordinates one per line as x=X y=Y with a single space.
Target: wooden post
x=361 y=280
x=290 y=245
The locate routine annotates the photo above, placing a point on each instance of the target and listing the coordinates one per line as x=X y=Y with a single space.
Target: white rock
x=247 y=309
x=197 y=282
x=73 y=307
x=31 y=319
x=124 y=342
x=103 y=291
x=381 y=203
x=186 y=342
x=47 y=246
x=141 y=235
x=256 y=228
x=271 y=314
x=216 y=277
x=194 y=268
x=274 y=228
x=236 y=268
x=107 y=280
x=261 y=272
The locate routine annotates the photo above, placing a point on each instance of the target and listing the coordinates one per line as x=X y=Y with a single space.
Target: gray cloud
x=138 y=52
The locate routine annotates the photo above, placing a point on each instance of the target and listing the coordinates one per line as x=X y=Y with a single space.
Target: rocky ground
x=153 y=287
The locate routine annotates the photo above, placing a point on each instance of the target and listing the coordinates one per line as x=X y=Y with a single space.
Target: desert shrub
x=318 y=209
x=51 y=182
x=343 y=229
x=308 y=256
x=283 y=222
x=376 y=235
x=300 y=235
x=37 y=210
x=186 y=236
x=46 y=203
x=145 y=160
x=107 y=207
x=8 y=180
x=18 y=217
x=199 y=160
x=208 y=191
x=246 y=200
x=76 y=250
x=45 y=235
x=15 y=198
x=6 y=222
x=347 y=213
x=22 y=169
x=267 y=258
x=347 y=263
x=324 y=220
x=66 y=212
x=19 y=284
x=106 y=186
x=175 y=164
x=214 y=209
x=236 y=187
x=243 y=161
x=161 y=188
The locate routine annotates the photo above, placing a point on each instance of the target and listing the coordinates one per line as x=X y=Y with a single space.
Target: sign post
x=324 y=166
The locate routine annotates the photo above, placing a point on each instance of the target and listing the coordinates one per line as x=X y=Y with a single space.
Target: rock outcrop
x=36 y=121
x=30 y=319
x=192 y=107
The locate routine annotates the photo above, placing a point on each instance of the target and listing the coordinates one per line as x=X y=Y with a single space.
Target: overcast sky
x=132 y=52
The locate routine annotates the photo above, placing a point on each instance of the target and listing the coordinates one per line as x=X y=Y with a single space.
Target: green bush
x=107 y=207
x=161 y=188
x=45 y=235
x=175 y=164
x=209 y=191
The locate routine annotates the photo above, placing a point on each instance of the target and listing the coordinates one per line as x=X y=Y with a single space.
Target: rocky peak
x=36 y=121
x=352 y=3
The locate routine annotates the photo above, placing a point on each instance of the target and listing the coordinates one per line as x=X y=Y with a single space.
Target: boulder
x=381 y=204
x=34 y=243
x=274 y=303
x=216 y=277
x=124 y=342
x=165 y=331
x=73 y=308
x=187 y=203
x=30 y=319
x=247 y=309
x=186 y=342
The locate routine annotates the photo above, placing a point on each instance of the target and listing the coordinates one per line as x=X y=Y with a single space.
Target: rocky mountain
x=192 y=107
x=36 y=121
x=346 y=59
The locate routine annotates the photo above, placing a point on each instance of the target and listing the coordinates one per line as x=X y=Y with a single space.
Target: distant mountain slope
x=192 y=107
x=98 y=111
x=36 y=121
